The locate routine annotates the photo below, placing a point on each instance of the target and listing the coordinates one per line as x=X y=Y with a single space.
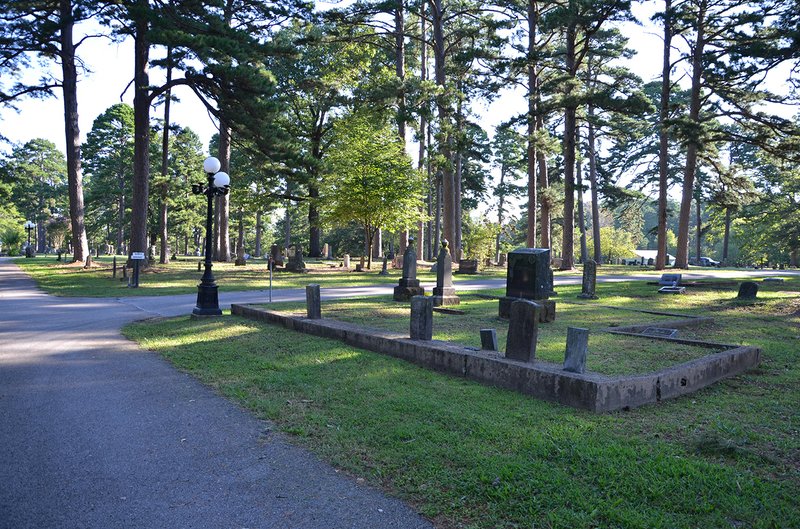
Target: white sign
x=137 y=255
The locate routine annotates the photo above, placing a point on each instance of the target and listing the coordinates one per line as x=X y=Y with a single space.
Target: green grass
x=181 y=277
x=609 y=354
x=466 y=455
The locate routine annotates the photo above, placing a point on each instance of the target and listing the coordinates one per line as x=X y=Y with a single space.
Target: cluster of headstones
x=409 y=287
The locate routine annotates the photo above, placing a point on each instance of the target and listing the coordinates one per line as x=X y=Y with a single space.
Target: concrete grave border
x=544 y=380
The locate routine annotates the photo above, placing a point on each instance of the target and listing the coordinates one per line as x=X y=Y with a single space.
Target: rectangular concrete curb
x=590 y=391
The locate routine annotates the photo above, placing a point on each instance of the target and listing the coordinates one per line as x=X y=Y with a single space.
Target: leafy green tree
x=37 y=171
x=108 y=160
x=32 y=33
x=509 y=156
x=369 y=179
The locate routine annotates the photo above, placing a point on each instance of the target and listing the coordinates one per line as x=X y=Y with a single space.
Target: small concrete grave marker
x=421 y=318
x=577 y=348
x=313 y=303
x=489 y=340
x=772 y=280
x=672 y=290
x=748 y=290
x=523 y=330
x=589 y=283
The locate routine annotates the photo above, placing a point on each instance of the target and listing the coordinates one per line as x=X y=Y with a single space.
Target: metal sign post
x=136 y=257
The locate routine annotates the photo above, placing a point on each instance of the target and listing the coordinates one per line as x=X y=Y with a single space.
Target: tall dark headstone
x=528 y=276
x=589 y=284
x=421 y=318
x=748 y=290
x=523 y=330
x=408 y=286
x=443 y=292
x=275 y=255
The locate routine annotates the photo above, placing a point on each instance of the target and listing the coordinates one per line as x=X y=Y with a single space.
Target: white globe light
x=211 y=165
x=221 y=179
x=29 y=224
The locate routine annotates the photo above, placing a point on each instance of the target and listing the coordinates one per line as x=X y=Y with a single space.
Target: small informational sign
x=137 y=255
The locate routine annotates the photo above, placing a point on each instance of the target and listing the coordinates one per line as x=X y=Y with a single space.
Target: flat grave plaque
x=660 y=332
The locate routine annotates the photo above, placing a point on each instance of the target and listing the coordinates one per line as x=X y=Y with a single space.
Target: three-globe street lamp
x=218 y=185
x=29 y=226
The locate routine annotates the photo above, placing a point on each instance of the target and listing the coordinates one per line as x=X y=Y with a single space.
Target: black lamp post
x=218 y=185
x=29 y=226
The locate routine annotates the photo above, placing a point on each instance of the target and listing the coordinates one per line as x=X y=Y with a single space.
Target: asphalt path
x=95 y=432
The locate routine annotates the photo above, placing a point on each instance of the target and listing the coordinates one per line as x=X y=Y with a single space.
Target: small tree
x=369 y=179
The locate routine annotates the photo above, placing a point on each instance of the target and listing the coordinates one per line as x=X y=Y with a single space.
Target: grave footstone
x=408 y=285
x=444 y=293
x=589 y=283
x=577 y=348
x=528 y=277
x=313 y=303
x=523 y=330
x=489 y=340
x=421 y=318
x=748 y=290
x=772 y=280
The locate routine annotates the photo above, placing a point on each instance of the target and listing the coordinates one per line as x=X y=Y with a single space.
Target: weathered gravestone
x=670 y=280
x=589 y=283
x=523 y=330
x=275 y=255
x=421 y=318
x=409 y=284
x=360 y=265
x=384 y=268
x=528 y=277
x=313 y=303
x=577 y=348
x=346 y=261
x=502 y=260
x=326 y=248
x=443 y=292
x=489 y=340
x=296 y=263
x=468 y=266
x=748 y=290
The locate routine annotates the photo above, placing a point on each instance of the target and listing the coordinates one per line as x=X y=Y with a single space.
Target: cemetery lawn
x=182 y=277
x=468 y=455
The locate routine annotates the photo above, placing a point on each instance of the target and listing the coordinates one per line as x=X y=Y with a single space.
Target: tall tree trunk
x=377 y=243
x=448 y=196
x=500 y=210
x=400 y=67
x=433 y=237
x=240 y=238
x=287 y=228
x=682 y=254
x=545 y=206
x=567 y=241
x=224 y=155
x=422 y=240
x=257 y=242
x=727 y=236
x=699 y=239
x=315 y=249
x=663 y=140
x=533 y=87
x=69 y=73
x=438 y=215
x=597 y=254
x=579 y=186
x=141 y=114
x=162 y=214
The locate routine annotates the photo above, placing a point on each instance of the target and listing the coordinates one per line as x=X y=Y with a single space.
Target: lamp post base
x=207 y=301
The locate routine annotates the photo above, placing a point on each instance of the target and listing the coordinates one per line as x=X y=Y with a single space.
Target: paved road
x=95 y=433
